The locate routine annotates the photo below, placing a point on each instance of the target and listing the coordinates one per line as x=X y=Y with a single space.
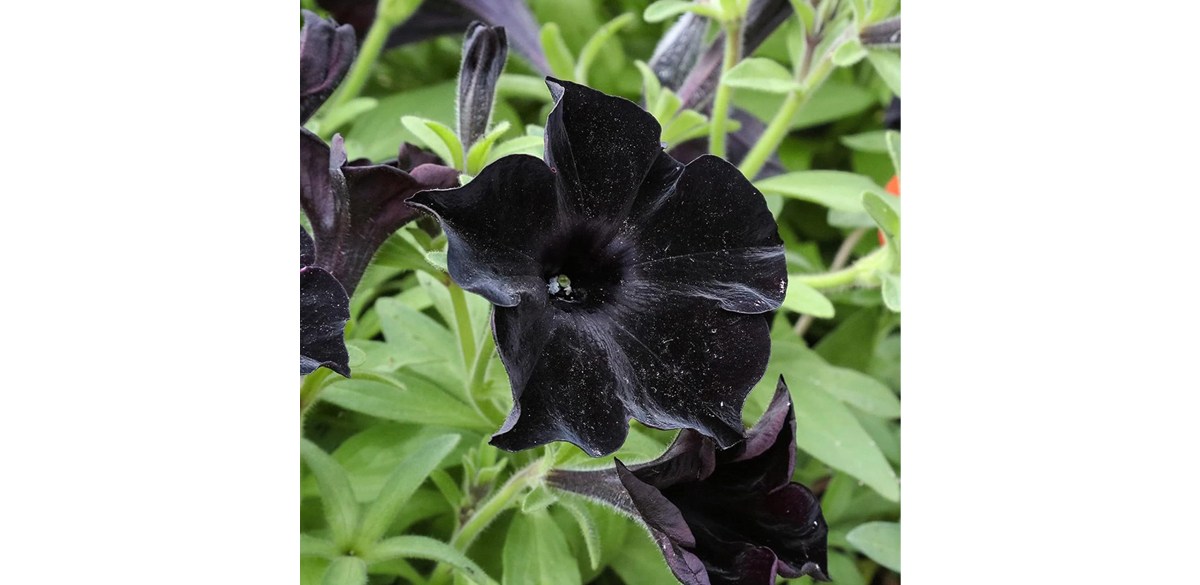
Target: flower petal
x=711 y=237
x=493 y=225
x=691 y=457
x=306 y=248
x=600 y=147
x=691 y=363
x=324 y=310
x=766 y=460
x=667 y=527
x=326 y=53
x=564 y=386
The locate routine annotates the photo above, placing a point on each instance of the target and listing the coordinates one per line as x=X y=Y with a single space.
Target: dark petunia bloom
x=324 y=310
x=722 y=517
x=326 y=53
x=625 y=283
x=354 y=206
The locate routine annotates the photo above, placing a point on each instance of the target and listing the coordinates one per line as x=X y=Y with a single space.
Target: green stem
x=860 y=273
x=772 y=136
x=503 y=499
x=462 y=323
x=368 y=54
x=479 y=368
x=720 y=110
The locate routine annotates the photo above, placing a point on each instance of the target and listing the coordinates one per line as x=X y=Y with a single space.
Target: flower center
x=583 y=268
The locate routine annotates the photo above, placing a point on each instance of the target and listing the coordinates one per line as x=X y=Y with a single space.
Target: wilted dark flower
x=722 y=517
x=485 y=50
x=324 y=310
x=626 y=284
x=355 y=206
x=326 y=53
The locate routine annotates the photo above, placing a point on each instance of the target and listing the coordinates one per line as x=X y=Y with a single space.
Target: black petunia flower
x=324 y=310
x=625 y=283
x=354 y=206
x=326 y=53
x=722 y=517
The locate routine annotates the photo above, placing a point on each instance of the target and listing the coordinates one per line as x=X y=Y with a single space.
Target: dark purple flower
x=355 y=206
x=762 y=18
x=625 y=283
x=722 y=517
x=324 y=310
x=326 y=53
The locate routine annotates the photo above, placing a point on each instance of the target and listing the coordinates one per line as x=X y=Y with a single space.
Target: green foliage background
x=396 y=458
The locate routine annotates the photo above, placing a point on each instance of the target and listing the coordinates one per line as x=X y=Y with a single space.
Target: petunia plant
x=591 y=293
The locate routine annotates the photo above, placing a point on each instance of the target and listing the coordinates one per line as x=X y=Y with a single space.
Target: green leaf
x=651 y=86
x=880 y=541
x=872 y=141
x=409 y=475
x=341 y=509
x=804 y=12
x=891 y=290
x=804 y=368
x=640 y=561
x=885 y=210
x=345 y=571
x=887 y=65
x=438 y=137
x=843 y=570
x=827 y=430
x=881 y=9
x=413 y=330
x=892 y=140
x=437 y=259
x=481 y=148
x=423 y=547
x=539 y=498
x=381 y=130
x=522 y=86
x=852 y=344
x=837 y=190
x=664 y=9
x=592 y=48
x=587 y=528
x=759 y=74
x=449 y=488
x=531 y=145
x=848 y=53
x=805 y=299
x=558 y=55
x=833 y=100
x=411 y=400
x=312 y=569
x=345 y=113
x=311 y=546
x=687 y=125
x=536 y=552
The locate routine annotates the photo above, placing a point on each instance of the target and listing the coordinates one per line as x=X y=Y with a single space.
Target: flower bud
x=326 y=52
x=485 y=49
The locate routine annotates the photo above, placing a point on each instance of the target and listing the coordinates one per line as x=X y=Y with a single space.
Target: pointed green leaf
x=892 y=140
x=872 y=141
x=341 y=509
x=664 y=9
x=836 y=190
x=409 y=475
x=539 y=498
x=848 y=53
x=592 y=48
x=880 y=541
x=411 y=399
x=345 y=571
x=887 y=65
x=437 y=137
x=804 y=368
x=345 y=113
x=827 y=430
x=558 y=55
x=536 y=552
x=761 y=74
x=651 y=86
x=481 y=148
x=423 y=547
x=531 y=145
x=885 y=210
x=587 y=527
x=891 y=290
x=437 y=259
x=805 y=299
x=804 y=11
x=311 y=546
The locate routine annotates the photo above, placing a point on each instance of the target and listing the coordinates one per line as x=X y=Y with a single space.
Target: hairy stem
x=720 y=109
x=368 y=54
x=839 y=260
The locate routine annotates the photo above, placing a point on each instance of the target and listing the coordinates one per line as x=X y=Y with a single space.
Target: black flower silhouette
x=324 y=310
x=626 y=284
x=722 y=517
x=354 y=205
